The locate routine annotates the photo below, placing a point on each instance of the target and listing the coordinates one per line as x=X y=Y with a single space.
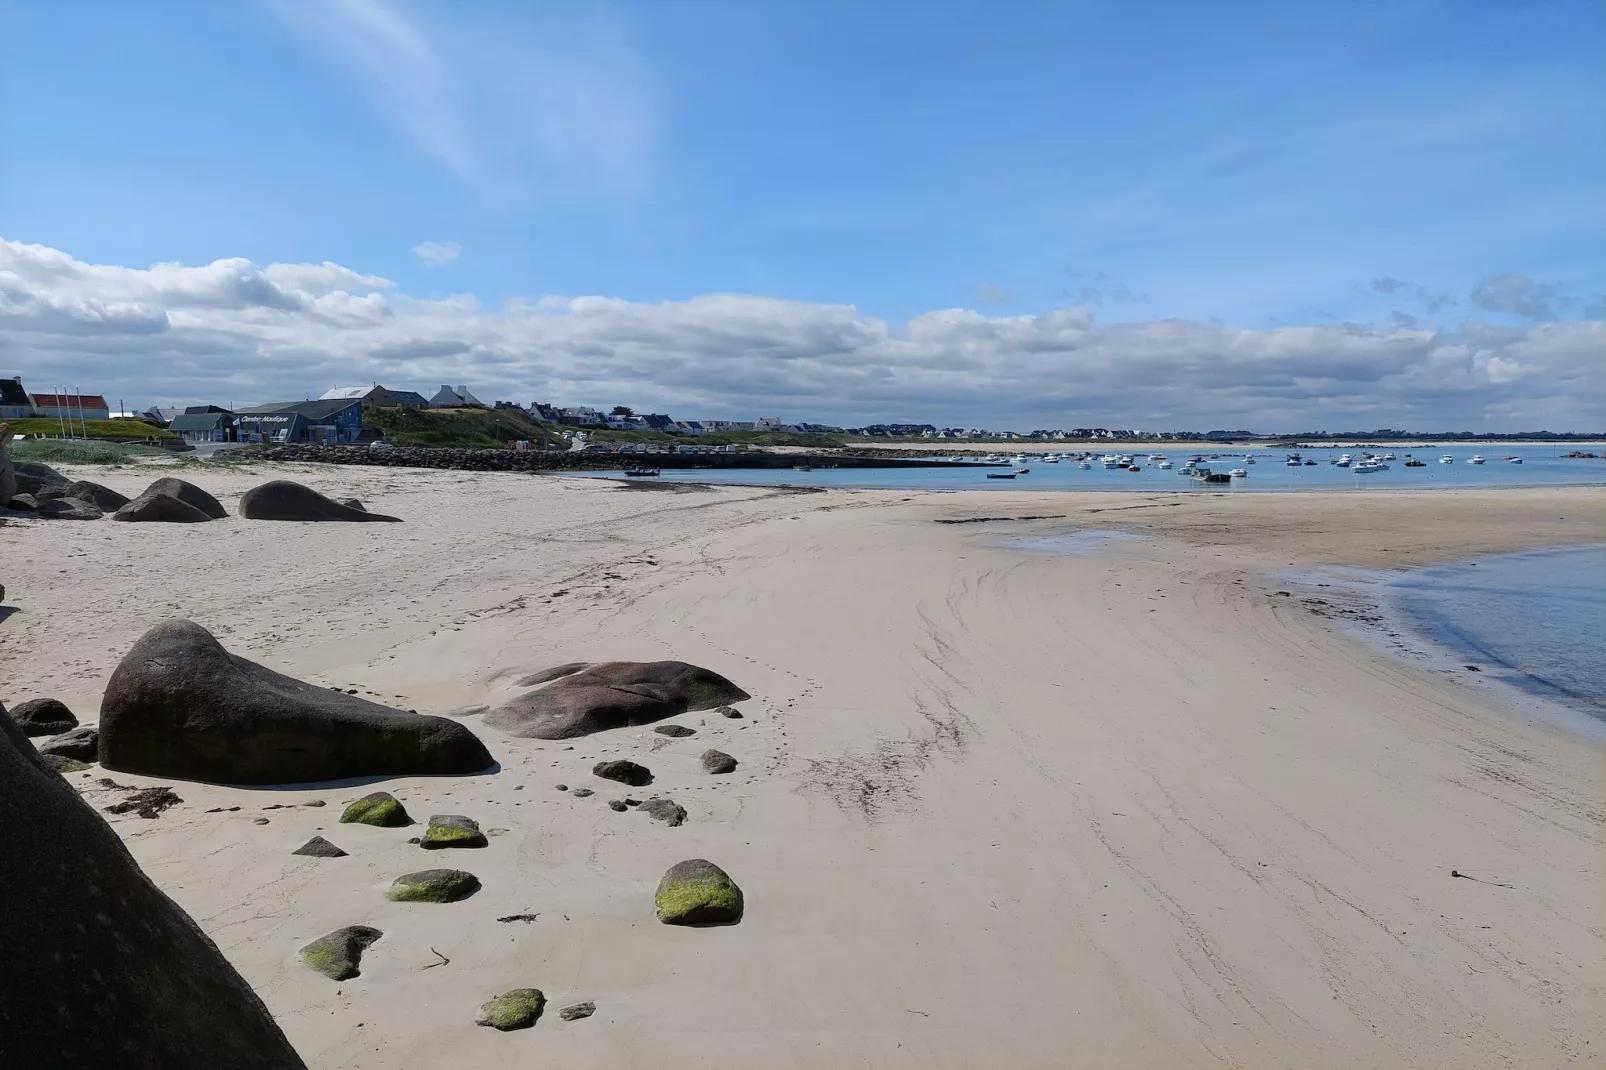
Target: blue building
x=334 y=420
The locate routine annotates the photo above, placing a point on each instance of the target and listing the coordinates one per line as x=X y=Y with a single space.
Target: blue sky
x=1249 y=165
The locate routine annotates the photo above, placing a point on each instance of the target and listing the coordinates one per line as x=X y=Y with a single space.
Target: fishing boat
x=1248 y=459
x=1163 y=464
x=1343 y=460
x=1369 y=465
x=1023 y=471
x=1310 y=464
x=1110 y=460
x=1447 y=459
x=1475 y=459
x=1238 y=473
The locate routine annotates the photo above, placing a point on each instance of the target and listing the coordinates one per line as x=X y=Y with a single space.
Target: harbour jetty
x=494 y=460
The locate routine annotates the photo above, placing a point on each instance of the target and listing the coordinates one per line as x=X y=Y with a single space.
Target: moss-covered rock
x=62 y=764
x=338 y=955
x=452 y=830
x=433 y=886
x=517 y=1008
x=380 y=808
x=697 y=892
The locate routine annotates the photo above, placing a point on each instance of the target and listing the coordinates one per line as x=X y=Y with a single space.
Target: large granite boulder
x=43 y=717
x=68 y=509
x=103 y=498
x=35 y=479
x=189 y=494
x=151 y=508
x=180 y=705
x=81 y=744
x=284 y=500
x=100 y=968
x=613 y=694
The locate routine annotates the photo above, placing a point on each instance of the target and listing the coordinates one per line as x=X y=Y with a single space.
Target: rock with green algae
x=433 y=886
x=697 y=892
x=380 y=808
x=62 y=764
x=338 y=955
x=517 y=1008
x=452 y=830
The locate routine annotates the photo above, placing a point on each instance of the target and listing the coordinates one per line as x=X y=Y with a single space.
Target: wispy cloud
x=437 y=253
x=1516 y=295
x=553 y=99
x=177 y=333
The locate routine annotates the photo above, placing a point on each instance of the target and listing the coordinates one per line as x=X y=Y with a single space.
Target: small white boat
x=1474 y=459
x=1249 y=460
x=1343 y=460
x=1051 y=459
x=1163 y=464
x=1388 y=456
x=1084 y=465
x=1019 y=458
x=1239 y=473
x=1447 y=459
x=1110 y=460
x=1370 y=465
x=1514 y=460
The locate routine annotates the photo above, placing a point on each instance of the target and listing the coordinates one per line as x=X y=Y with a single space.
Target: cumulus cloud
x=231 y=330
x=1517 y=295
x=437 y=253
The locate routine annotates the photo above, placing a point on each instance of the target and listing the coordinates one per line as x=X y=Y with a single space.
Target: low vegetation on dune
x=490 y=428
x=719 y=438
x=59 y=451
x=99 y=430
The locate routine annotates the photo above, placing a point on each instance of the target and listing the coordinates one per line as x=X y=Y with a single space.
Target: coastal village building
x=72 y=406
x=334 y=420
x=204 y=423
x=456 y=398
x=581 y=416
x=15 y=404
x=378 y=397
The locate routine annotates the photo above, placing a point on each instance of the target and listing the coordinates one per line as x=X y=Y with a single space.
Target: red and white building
x=72 y=406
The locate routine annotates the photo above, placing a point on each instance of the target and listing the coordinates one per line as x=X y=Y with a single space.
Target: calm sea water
x=1541 y=466
x=1537 y=620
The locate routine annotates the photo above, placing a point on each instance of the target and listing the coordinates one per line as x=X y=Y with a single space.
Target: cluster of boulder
x=45 y=492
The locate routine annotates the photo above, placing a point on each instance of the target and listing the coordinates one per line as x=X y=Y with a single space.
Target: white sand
x=994 y=810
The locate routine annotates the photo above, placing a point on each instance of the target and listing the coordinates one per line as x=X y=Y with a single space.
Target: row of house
x=16 y=403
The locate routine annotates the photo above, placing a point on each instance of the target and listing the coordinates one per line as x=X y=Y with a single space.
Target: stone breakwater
x=494 y=460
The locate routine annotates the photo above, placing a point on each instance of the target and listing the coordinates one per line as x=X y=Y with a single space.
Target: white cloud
x=437 y=253
x=230 y=330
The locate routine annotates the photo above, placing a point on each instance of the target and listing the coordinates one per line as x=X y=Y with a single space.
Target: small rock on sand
x=338 y=955
x=697 y=892
x=728 y=711
x=379 y=808
x=582 y=793
x=675 y=731
x=433 y=886
x=717 y=761
x=625 y=772
x=452 y=830
x=318 y=847
x=578 y=1010
x=617 y=804
x=517 y=1008
x=668 y=811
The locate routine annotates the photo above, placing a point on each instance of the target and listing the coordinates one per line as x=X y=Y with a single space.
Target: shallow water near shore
x=1540 y=466
x=1536 y=620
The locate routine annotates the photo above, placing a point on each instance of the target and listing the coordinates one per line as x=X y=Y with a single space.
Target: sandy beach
x=994 y=809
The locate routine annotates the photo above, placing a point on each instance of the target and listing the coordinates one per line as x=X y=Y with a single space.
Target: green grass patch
x=487 y=428
x=717 y=438
x=99 y=430
x=57 y=451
